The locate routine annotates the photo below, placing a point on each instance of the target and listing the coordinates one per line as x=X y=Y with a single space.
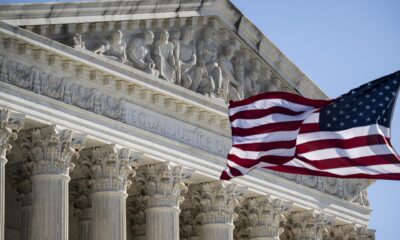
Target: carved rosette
x=264 y=216
x=53 y=148
x=136 y=206
x=80 y=198
x=10 y=124
x=163 y=184
x=218 y=201
x=310 y=224
x=110 y=167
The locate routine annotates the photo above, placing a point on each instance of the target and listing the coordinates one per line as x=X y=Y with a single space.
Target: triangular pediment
x=211 y=49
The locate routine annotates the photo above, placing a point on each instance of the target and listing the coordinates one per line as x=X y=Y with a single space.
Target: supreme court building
x=114 y=126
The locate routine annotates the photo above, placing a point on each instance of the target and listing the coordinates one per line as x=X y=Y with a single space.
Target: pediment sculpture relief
x=205 y=58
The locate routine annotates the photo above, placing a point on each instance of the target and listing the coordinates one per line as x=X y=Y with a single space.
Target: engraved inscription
x=175 y=130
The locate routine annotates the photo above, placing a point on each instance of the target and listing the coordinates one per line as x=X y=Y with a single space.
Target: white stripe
x=264 y=104
x=313 y=118
x=254 y=155
x=344 y=134
x=364 y=151
x=371 y=170
x=241 y=169
x=273 y=118
x=266 y=137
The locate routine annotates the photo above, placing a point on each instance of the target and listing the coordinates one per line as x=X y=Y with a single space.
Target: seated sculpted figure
x=208 y=59
x=252 y=79
x=78 y=42
x=231 y=87
x=114 y=48
x=139 y=53
x=191 y=74
x=164 y=58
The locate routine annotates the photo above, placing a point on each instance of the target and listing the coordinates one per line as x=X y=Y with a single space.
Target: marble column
x=52 y=149
x=218 y=201
x=308 y=225
x=162 y=185
x=10 y=123
x=136 y=205
x=263 y=217
x=82 y=206
x=111 y=167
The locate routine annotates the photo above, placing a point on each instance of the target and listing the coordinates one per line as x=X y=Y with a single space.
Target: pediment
x=224 y=57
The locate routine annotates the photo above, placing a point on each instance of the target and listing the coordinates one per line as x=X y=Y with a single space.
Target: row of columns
x=155 y=210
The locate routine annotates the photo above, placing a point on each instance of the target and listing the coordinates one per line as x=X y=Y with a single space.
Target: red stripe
x=309 y=127
x=266 y=128
x=259 y=113
x=332 y=163
x=234 y=171
x=341 y=143
x=224 y=176
x=298 y=170
x=265 y=146
x=248 y=163
x=281 y=95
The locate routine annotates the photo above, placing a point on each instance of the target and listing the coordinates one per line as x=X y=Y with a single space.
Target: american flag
x=348 y=137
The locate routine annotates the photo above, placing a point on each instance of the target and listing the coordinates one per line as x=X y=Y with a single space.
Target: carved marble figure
x=230 y=86
x=164 y=58
x=139 y=53
x=252 y=79
x=190 y=72
x=208 y=60
x=78 y=42
x=114 y=48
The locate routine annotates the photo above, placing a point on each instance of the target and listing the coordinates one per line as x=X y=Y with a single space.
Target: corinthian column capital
x=110 y=167
x=310 y=224
x=52 y=149
x=218 y=201
x=10 y=123
x=163 y=184
x=264 y=216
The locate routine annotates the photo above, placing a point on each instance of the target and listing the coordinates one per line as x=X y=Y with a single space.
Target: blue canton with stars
x=371 y=103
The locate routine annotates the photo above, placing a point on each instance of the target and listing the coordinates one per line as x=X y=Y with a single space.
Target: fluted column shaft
x=109 y=215
x=85 y=225
x=3 y=162
x=50 y=207
x=162 y=221
x=52 y=151
x=110 y=168
x=26 y=221
x=220 y=231
x=163 y=184
x=9 y=124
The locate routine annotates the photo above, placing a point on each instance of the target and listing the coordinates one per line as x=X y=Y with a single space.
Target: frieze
x=174 y=129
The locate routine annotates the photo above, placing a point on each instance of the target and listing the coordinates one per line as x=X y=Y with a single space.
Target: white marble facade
x=113 y=126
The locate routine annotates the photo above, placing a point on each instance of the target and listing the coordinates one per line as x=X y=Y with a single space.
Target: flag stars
x=387 y=87
x=354 y=109
x=347 y=116
x=373 y=100
x=334 y=118
x=328 y=112
x=387 y=98
x=368 y=119
x=341 y=111
x=360 y=114
x=367 y=107
x=355 y=121
x=328 y=125
x=380 y=104
x=380 y=93
x=342 y=124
